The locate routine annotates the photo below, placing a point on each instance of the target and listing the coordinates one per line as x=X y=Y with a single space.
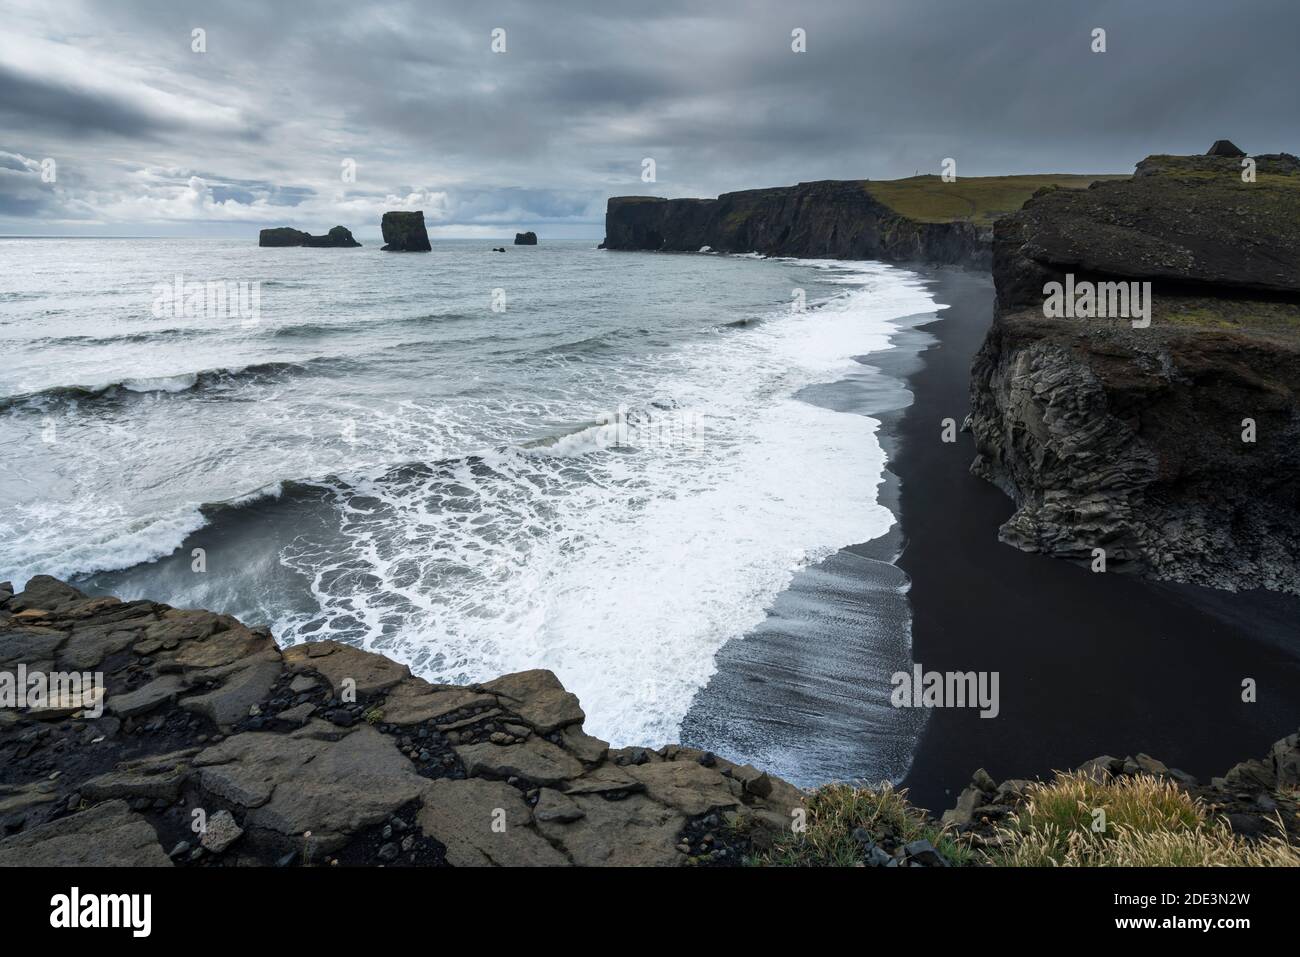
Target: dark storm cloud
x=31 y=103
x=287 y=95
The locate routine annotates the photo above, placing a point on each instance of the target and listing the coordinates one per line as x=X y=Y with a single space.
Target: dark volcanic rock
x=1224 y=148
x=526 y=239
x=1185 y=221
x=832 y=219
x=339 y=236
x=404 y=232
x=1131 y=439
x=213 y=717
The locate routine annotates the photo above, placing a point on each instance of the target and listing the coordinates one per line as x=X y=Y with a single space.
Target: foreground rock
x=526 y=239
x=323 y=753
x=1173 y=449
x=339 y=236
x=404 y=232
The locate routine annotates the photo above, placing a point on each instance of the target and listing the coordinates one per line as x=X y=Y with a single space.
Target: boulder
x=230 y=703
x=634 y=831
x=162 y=690
x=964 y=812
x=340 y=663
x=221 y=832
x=160 y=777
x=45 y=593
x=483 y=824
x=526 y=239
x=106 y=835
x=536 y=760
x=414 y=700
x=1284 y=761
x=538 y=698
x=685 y=785
x=404 y=232
x=297 y=782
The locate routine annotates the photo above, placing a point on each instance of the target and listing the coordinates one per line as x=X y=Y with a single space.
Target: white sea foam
x=624 y=570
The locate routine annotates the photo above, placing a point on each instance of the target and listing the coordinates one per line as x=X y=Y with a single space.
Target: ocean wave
x=280 y=330
x=208 y=379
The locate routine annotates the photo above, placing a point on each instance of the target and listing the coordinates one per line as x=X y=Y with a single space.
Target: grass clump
x=835 y=811
x=1137 y=821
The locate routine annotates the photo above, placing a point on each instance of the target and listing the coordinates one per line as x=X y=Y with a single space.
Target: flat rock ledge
x=216 y=748
x=210 y=746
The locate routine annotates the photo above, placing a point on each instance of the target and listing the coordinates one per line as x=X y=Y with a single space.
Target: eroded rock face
x=404 y=232
x=339 y=236
x=829 y=219
x=325 y=752
x=526 y=239
x=1174 y=448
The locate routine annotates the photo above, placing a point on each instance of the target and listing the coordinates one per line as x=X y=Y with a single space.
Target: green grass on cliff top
x=976 y=199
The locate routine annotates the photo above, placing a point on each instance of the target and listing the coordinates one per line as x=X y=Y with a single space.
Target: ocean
x=610 y=465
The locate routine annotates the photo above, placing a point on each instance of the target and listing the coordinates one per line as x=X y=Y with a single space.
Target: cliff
x=188 y=739
x=920 y=219
x=339 y=236
x=835 y=220
x=1173 y=447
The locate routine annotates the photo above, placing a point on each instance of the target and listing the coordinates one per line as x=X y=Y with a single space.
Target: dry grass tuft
x=1144 y=822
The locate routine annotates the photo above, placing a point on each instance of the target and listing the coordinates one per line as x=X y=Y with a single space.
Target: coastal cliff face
x=830 y=219
x=1175 y=447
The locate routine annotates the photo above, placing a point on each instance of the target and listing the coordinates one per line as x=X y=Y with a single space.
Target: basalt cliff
x=1172 y=448
x=832 y=219
x=191 y=740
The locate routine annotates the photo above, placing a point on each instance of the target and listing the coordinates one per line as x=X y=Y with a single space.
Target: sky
x=113 y=122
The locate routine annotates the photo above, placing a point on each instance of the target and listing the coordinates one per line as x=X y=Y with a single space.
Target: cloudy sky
x=149 y=137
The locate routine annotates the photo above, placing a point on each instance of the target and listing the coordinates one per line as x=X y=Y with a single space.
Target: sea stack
x=339 y=236
x=526 y=239
x=404 y=232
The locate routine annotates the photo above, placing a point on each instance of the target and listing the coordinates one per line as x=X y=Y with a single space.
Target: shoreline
x=805 y=694
x=1089 y=664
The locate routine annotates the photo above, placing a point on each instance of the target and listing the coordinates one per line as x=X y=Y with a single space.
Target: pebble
x=388 y=852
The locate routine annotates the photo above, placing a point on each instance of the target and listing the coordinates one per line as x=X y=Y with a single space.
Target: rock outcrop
x=209 y=746
x=1174 y=448
x=323 y=753
x=339 y=236
x=526 y=239
x=404 y=232
x=828 y=219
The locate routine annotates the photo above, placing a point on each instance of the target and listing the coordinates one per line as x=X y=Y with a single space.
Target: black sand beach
x=1089 y=663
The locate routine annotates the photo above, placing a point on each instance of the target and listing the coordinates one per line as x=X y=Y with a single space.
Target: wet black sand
x=1089 y=663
